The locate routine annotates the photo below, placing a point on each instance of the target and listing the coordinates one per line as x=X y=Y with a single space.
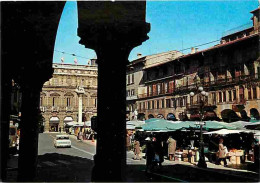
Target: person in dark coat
x=149 y=154
x=158 y=149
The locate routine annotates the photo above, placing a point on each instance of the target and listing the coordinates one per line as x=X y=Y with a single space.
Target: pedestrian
x=80 y=135
x=128 y=143
x=137 y=150
x=158 y=149
x=149 y=155
x=171 y=148
x=222 y=153
x=60 y=129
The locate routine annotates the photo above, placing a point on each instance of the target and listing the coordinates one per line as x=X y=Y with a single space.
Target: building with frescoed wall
x=228 y=71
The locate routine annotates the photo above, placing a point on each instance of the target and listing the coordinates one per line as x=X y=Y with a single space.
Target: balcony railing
x=69 y=109
x=55 y=109
x=219 y=82
x=241 y=101
x=42 y=108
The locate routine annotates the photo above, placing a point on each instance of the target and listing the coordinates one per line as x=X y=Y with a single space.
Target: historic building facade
x=136 y=78
x=228 y=71
x=59 y=100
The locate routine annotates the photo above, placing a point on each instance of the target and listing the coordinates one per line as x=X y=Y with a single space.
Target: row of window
x=68 y=102
x=160 y=88
x=164 y=103
x=70 y=81
x=216 y=97
x=130 y=79
x=231 y=95
x=130 y=93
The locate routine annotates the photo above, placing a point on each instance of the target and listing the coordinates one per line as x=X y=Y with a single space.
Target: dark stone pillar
x=112 y=29
x=6 y=84
x=28 y=150
x=110 y=159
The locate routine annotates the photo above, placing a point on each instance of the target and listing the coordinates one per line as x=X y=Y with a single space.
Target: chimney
x=192 y=50
x=196 y=50
x=139 y=55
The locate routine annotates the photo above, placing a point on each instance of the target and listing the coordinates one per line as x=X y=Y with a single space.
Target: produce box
x=239 y=153
x=233 y=160
x=192 y=159
x=185 y=151
x=231 y=153
x=184 y=155
x=186 y=159
x=238 y=160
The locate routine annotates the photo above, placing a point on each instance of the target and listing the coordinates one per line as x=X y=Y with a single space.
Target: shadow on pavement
x=53 y=167
x=186 y=173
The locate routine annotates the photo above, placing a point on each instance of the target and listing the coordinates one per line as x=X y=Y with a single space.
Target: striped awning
x=54 y=120
x=68 y=119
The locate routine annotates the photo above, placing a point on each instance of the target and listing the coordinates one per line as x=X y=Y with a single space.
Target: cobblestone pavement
x=63 y=165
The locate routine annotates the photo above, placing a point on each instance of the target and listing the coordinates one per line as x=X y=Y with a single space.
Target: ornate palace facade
x=59 y=100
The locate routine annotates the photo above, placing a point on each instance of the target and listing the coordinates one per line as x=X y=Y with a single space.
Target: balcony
x=217 y=83
x=55 y=109
x=134 y=97
x=42 y=108
x=69 y=109
x=241 y=101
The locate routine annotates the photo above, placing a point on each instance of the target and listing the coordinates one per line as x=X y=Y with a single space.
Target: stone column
x=28 y=150
x=80 y=91
x=112 y=35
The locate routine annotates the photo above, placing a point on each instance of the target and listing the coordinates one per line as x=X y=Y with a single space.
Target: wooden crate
x=186 y=159
x=233 y=160
x=238 y=160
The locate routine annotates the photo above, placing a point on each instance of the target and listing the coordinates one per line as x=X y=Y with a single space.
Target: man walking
x=171 y=148
x=222 y=153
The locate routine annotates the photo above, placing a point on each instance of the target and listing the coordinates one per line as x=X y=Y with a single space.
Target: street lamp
x=202 y=162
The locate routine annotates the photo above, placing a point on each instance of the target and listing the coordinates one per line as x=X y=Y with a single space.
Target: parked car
x=62 y=141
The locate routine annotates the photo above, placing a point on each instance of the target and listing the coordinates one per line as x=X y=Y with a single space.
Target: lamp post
x=202 y=163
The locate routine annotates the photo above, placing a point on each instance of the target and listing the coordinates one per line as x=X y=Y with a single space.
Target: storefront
x=54 y=124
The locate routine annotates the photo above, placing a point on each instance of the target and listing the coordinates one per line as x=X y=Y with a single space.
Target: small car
x=62 y=141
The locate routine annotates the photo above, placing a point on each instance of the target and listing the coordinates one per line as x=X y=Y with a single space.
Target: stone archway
x=244 y=116
x=228 y=115
x=36 y=23
x=150 y=116
x=254 y=113
x=171 y=117
x=141 y=116
x=54 y=124
x=160 y=116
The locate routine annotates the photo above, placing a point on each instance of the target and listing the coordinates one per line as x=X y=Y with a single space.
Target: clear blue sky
x=174 y=25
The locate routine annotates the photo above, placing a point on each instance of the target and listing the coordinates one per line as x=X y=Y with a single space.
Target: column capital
x=112 y=24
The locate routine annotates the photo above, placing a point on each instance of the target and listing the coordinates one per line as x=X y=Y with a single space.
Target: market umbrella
x=209 y=125
x=224 y=132
x=153 y=120
x=163 y=125
x=242 y=124
x=135 y=123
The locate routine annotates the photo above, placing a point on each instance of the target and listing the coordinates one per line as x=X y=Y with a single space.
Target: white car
x=62 y=141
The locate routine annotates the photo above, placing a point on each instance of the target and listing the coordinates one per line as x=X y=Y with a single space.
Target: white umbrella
x=225 y=132
x=87 y=123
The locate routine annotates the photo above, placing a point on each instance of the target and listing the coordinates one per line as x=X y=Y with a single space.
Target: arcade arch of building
x=32 y=28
